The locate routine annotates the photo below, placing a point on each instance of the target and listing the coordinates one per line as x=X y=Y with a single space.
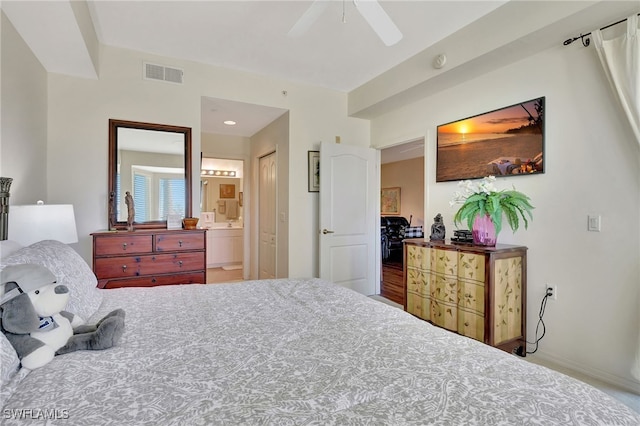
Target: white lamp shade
x=37 y=222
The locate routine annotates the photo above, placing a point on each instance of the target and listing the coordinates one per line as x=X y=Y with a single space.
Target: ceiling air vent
x=162 y=73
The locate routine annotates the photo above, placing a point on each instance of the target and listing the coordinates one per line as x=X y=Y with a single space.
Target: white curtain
x=620 y=58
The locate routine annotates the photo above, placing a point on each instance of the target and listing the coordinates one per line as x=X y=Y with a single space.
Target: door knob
x=326 y=231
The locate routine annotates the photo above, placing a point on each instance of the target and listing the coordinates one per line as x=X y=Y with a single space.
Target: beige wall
x=79 y=110
x=273 y=138
x=225 y=146
x=592 y=166
x=62 y=151
x=409 y=176
x=23 y=137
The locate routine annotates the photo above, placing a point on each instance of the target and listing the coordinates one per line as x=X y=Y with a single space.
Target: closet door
x=267 y=217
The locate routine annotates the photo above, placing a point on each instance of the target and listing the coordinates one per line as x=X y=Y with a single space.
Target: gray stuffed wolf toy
x=35 y=322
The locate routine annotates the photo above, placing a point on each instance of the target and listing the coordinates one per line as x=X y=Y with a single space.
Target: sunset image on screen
x=507 y=141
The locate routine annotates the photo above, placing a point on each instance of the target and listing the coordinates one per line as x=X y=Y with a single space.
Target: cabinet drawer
x=180 y=241
x=155 y=280
x=132 y=266
x=471 y=324
x=122 y=244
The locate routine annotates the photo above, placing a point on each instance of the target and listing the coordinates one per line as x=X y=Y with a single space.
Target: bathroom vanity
x=224 y=246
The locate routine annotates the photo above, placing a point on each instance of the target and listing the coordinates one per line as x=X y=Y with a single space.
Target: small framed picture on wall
x=313 y=160
x=227 y=190
x=390 y=201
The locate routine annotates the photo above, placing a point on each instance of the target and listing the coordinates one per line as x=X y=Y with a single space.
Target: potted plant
x=483 y=207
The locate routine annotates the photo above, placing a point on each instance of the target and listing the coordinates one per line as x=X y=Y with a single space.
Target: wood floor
x=219 y=275
x=392 y=286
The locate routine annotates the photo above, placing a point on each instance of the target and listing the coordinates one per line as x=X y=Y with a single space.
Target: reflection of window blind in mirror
x=141 y=197
x=118 y=197
x=171 y=195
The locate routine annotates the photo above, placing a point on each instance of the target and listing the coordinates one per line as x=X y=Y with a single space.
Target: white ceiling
x=401 y=152
x=252 y=36
x=249 y=118
x=243 y=35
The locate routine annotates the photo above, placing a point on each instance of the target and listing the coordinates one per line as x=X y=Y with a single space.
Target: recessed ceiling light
x=230 y=123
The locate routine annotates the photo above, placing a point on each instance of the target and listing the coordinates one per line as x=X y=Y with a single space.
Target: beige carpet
x=628 y=398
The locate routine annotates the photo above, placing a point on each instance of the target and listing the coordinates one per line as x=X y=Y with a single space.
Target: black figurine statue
x=437 y=229
x=112 y=211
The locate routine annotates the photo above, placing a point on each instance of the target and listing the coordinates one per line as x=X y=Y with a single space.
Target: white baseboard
x=612 y=379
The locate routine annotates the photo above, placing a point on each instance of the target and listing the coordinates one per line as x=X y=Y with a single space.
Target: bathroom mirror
x=152 y=163
x=221 y=192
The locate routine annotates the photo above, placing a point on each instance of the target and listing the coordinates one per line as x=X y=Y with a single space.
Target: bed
x=287 y=351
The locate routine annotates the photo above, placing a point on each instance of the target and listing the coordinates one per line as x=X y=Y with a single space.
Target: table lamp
x=36 y=222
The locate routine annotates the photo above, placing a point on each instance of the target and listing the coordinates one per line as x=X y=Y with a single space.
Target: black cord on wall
x=543 y=306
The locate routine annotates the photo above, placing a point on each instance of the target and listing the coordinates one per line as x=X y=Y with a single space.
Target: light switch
x=594 y=223
x=283 y=217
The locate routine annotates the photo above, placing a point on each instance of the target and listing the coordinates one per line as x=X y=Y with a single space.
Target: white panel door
x=267 y=217
x=349 y=207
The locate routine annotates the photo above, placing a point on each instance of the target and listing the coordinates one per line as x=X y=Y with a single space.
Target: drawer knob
x=153 y=280
x=124 y=246
x=124 y=268
x=180 y=243
x=180 y=263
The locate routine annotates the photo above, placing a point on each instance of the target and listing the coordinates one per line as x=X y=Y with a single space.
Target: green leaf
x=511 y=203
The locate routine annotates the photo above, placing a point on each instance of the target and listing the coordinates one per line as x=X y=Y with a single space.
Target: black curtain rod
x=585 y=42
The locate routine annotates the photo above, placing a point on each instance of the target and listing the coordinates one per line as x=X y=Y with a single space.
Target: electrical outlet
x=553 y=291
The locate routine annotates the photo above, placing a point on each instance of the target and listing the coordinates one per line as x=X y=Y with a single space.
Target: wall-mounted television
x=505 y=142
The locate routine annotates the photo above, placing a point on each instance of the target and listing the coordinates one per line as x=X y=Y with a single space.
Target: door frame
x=417 y=140
x=246 y=211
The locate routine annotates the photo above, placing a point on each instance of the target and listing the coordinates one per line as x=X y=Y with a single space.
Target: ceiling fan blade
x=378 y=19
x=308 y=18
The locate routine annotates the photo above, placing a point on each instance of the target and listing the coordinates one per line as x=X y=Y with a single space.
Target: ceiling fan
x=370 y=10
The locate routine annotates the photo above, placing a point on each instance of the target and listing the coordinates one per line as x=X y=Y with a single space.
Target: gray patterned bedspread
x=296 y=352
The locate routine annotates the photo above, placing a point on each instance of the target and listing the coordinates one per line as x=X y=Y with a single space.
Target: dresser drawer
x=132 y=266
x=180 y=241
x=122 y=244
x=155 y=280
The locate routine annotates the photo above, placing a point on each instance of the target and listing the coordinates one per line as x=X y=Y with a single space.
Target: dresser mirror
x=153 y=163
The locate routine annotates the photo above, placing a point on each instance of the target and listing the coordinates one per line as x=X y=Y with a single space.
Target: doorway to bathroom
x=222 y=214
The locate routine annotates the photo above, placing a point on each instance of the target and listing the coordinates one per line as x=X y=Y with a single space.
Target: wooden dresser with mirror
x=152 y=162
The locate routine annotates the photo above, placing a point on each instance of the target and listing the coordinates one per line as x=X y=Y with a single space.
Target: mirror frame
x=113 y=164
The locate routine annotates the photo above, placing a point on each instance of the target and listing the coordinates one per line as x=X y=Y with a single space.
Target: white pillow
x=8 y=247
x=69 y=268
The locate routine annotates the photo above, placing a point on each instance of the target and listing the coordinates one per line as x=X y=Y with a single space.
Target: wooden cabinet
x=479 y=292
x=149 y=258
